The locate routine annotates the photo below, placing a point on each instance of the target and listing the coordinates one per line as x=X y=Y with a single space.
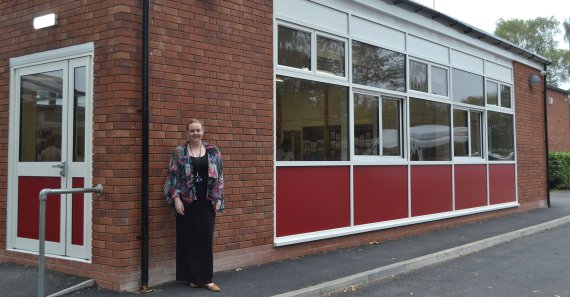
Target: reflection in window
x=294 y=48
x=505 y=96
x=377 y=67
x=460 y=133
x=80 y=84
x=429 y=131
x=492 y=93
x=41 y=116
x=366 y=125
x=418 y=76
x=312 y=120
x=439 y=81
x=391 y=127
x=468 y=88
x=501 y=136
x=467 y=133
x=330 y=56
x=475 y=127
x=367 y=137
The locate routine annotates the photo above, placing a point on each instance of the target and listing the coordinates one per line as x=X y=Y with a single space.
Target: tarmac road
x=537 y=265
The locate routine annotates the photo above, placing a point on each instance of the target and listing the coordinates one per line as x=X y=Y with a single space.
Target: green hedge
x=559 y=170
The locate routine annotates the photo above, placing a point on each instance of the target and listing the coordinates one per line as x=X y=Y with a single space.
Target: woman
x=194 y=188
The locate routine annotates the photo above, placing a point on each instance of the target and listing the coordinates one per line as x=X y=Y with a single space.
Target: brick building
x=340 y=122
x=558 y=119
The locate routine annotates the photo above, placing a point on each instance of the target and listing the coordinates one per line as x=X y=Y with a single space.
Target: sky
x=483 y=14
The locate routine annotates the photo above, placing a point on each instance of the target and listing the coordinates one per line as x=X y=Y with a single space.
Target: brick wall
x=558 y=121
x=530 y=136
x=115 y=31
x=213 y=60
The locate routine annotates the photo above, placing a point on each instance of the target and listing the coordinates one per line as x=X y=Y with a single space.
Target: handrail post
x=98 y=189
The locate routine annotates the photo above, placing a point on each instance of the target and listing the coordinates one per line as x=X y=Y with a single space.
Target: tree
x=566 y=25
x=538 y=36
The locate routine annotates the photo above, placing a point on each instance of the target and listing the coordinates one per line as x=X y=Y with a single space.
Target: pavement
x=325 y=273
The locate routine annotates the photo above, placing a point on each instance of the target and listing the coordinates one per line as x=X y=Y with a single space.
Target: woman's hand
x=178 y=206
x=217 y=205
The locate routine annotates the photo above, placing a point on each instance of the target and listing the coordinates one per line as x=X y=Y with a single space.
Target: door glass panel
x=41 y=115
x=79 y=114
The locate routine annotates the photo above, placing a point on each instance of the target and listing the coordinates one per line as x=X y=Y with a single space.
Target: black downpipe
x=546 y=142
x=144 y=150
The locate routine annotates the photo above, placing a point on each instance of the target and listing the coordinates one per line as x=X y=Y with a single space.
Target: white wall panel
x=381 y=35
x=466 y=62
x=422 y=48
x=498 y=72
x=312 y=13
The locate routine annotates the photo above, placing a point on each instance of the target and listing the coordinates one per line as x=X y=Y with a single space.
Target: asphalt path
x=537 y=265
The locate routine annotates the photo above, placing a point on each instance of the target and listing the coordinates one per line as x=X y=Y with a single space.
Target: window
x=496 y=98
x=492 y=93
x=312 y=120
x=501 y=136
x=467 y=137
x=505 y=96
x=378 y=67
x=418 y=76
x=439 y=85
x=428 y=78
x=429 y=131
x=468 y=88
x=377 y=125
x=330 y=56
x=294 y=48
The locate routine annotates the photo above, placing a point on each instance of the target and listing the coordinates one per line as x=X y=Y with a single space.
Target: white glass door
x=51 y=139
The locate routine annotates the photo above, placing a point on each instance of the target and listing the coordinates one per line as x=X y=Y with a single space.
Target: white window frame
x=314 y=34
x=429 y=78
x=470 y=159
x=360 y=159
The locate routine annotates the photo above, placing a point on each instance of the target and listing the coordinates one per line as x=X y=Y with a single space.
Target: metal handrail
x=98 y=189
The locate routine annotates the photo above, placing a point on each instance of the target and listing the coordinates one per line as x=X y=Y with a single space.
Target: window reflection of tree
x=330 y=56
x=418 y=76
x=378 y=67
x=294 y=48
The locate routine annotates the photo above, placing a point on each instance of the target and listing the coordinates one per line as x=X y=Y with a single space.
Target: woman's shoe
x=192 y=285
x=212 y=287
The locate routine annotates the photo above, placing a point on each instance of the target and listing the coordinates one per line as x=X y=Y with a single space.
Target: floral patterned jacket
x=179 y=179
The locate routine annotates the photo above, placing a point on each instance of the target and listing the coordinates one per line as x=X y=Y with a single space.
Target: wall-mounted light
x=550 y=100
x=533 y=80
x=44 y=21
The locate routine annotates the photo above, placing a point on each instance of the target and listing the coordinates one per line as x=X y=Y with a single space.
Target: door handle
x=62 y=167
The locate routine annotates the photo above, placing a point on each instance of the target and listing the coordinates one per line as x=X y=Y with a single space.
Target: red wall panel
x=431 y=189
x=312 y=199
x=502 y=183
x=29 y=188
x=470 y=186
x=380 y=193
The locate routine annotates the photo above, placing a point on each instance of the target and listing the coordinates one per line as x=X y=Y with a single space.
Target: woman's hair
x=193 y=121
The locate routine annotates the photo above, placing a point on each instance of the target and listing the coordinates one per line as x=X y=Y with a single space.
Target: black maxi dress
x=195 y=231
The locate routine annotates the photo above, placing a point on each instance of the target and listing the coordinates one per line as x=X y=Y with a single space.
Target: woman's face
x=195 y=132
